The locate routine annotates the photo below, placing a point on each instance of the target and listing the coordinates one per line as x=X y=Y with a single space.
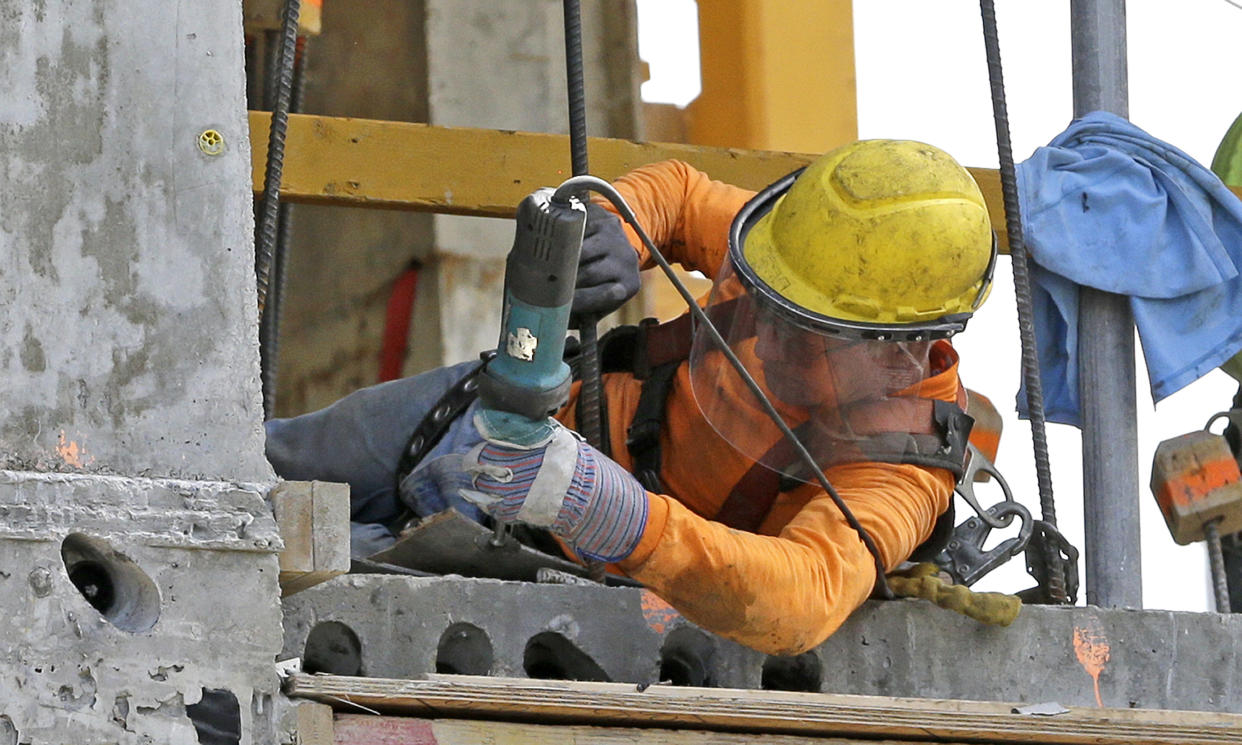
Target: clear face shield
x=848 y=399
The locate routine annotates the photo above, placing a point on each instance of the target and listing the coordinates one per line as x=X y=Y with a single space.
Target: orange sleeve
x=785 y=594
x=686 y=214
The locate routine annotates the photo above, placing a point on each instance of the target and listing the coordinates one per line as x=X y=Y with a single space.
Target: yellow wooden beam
x=486 y=172
x=775 y=75
x=465 y=171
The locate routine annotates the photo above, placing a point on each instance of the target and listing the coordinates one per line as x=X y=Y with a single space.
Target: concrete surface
x=127 y=249
x=387 y=626
x=138 y=571
x=193 y=582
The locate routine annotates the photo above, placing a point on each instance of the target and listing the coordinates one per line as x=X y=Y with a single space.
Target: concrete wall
x=125 y=246
x=137 y=564
x=478 y=63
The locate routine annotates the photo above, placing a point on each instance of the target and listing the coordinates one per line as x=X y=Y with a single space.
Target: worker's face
x=798 y=366
x=806 y=369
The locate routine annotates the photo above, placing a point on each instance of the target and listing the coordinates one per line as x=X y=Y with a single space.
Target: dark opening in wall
x=686 y=658
x=8 y=733
x=111 y=582
x=216 y=717
x=332 y=647
x=550 y=656
x=464 y=650
x=803 y=672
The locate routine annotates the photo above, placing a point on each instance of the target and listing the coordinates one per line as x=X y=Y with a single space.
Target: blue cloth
x=1107 y=205
x=359 y=440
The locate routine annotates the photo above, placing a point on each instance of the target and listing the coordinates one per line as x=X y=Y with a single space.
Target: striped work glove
x=562 y=484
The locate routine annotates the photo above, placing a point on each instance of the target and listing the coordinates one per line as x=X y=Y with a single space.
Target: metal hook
x=975 y=463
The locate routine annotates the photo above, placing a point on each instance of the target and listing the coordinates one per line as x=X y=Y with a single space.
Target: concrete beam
x=138 y=570
x=128 y=602
x=1074 y=656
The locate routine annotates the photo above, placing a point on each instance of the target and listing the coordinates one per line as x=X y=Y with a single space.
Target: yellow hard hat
x=880 y=239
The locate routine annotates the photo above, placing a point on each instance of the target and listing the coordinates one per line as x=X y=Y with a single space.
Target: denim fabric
x=359 y=441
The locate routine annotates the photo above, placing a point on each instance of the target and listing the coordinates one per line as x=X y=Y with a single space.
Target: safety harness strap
x=879 y=431
x=436 y=422
x=642 y=439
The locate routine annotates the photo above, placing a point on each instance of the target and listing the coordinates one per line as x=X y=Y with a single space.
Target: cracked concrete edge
x=168 y=512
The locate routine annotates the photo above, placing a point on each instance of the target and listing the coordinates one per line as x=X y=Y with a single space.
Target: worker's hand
x=608 y=268
x=562 y=484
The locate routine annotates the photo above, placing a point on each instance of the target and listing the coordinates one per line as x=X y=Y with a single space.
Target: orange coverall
x=788 y=587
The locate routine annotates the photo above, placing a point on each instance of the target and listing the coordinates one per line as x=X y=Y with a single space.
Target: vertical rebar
x=1216 y=558
x=270 y=211
x=1106 y=346
x=1022 y=286
x=590 y=399
x=273 y=310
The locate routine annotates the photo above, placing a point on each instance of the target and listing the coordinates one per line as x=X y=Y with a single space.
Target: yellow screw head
x=211 y=142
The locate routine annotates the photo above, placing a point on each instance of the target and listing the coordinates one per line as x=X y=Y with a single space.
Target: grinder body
x=528 y=379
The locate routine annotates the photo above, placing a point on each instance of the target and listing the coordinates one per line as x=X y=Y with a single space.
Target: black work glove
x=608 y=268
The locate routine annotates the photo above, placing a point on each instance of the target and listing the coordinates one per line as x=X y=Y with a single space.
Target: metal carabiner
x=964 y=558
x=975 y=463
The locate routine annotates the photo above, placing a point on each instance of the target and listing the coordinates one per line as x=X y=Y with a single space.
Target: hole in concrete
x=685 y=658
x=332 y=647
x=216 y=718
x=550 y=656
x=464 y=650
x=111 y=582
x=8 y=733
x=803 y=672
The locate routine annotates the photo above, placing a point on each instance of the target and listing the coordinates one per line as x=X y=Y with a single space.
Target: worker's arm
x=686 y=213
x=785 y=594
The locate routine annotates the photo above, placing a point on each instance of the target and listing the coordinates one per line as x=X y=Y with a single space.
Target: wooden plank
x=763 y=712
x=313 y=518
x=466 y=171
x=486 y=172
x=363 y=729
x=330 y=533
x=314 y=722
x=292 y=503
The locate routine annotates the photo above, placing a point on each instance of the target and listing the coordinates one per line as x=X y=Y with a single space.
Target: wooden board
x=364 y=729
x=313 y=518
x=466 y=171
x=761 y=712
x=315 y=725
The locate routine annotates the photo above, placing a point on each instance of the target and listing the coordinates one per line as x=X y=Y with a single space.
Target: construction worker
x=837 y=289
